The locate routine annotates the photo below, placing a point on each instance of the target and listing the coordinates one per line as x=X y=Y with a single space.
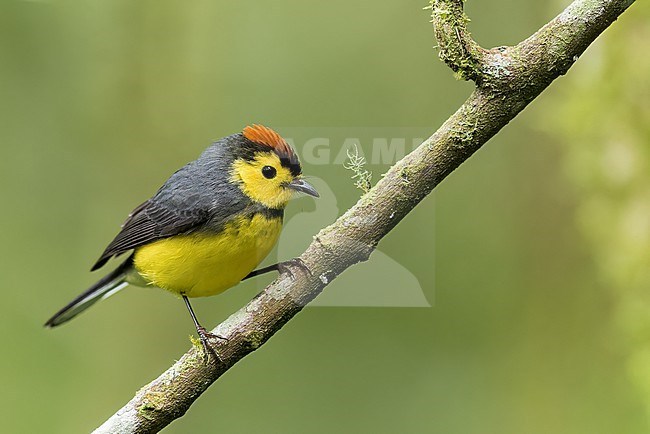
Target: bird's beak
x=303 y=186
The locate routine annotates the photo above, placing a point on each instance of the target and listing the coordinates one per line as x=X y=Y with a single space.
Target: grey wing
x=197 y=194
x=149 y=222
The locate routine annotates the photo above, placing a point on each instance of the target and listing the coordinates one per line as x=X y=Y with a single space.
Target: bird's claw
x=285 y=267
x=208 y=349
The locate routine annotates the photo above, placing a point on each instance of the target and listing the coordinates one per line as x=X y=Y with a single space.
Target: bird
x=208 y=227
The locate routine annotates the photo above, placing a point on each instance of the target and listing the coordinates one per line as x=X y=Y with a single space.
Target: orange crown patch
x=267 y=137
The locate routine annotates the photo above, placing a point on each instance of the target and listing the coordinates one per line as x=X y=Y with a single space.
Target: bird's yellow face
x=264 y=179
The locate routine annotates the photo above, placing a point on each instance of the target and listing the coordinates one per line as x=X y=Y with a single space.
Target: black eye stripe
x=269 y=172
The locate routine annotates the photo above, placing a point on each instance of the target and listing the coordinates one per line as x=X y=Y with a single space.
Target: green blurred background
x=534 y=254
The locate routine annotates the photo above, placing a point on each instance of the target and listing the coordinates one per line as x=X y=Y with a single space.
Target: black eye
x=269 y=172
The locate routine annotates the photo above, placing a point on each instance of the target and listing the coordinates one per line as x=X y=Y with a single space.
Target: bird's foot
x=208 y=349
x=286 y=267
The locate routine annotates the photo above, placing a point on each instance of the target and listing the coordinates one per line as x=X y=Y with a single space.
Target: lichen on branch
x=356 y=163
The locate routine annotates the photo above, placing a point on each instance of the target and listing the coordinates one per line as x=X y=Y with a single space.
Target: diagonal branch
x=507 y=78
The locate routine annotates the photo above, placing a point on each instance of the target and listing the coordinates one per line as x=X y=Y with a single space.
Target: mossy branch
x=457 y=48
x=507 y=79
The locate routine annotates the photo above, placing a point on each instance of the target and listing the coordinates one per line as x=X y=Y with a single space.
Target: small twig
x=457 y=48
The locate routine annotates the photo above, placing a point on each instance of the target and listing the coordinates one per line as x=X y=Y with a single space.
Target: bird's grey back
x=204 y=185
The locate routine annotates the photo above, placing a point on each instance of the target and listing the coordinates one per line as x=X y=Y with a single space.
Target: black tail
x=106 y=287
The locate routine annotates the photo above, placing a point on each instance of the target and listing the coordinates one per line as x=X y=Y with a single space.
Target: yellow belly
x=204 y=264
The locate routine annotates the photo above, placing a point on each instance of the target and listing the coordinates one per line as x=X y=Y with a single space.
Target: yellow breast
x=207 y=263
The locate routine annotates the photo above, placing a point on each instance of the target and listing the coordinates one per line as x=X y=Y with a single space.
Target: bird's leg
x=204 y=335
x=264 y=270
x=282 y=268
